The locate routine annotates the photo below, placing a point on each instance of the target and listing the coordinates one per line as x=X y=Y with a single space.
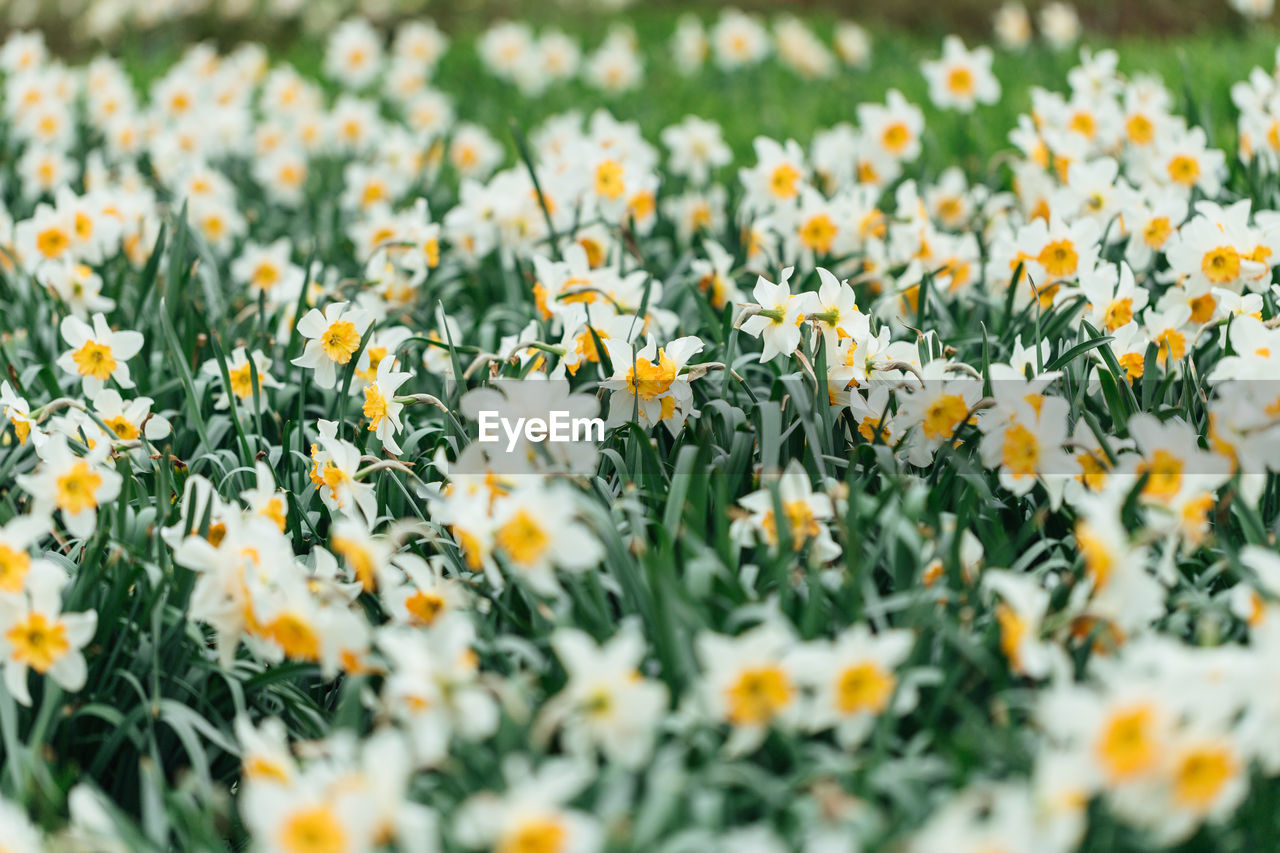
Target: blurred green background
x=1167 y=37
x=1149 y=19
x=970 y=18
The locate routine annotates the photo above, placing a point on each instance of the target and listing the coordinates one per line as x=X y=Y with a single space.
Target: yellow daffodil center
x=374 y=192
x=596 y=251
x=1164 y=475
x=960 y=82
x=758 y=695
x=1020 y=451
x=1119 y=312
x=52 y=242
x=1221 y=265
x=1013 y=628
x=77 y=489
x=261 y=767
x=241 y=380
x=21 y=426
x=1133 y=364
x=1157 y=232
x=274 y=510
x=472 y=549
x=1202 y=308
x=375 y=406
x=649 y=380
x=37 y=642
x=14 y=565
x=1184 y=170
x=265 y=276
x=1140 y=129
x=585 y=347
x=83 y=225
x=1170 y=343
x=333 y=478
x=122 y=427
x=1093 y=470
x=1261 y=254
x=1059 y=258
x=375 y=355
x=1127 y=746
x=94 y=359
x=641 y=206
x=944 y=415
x=523 y=539
x=1084 y=124
x=801 y=523
x=1201 y=775
x=359 y=557
x=818 y=233
x=896 y=137
x=950 y=209
x=864 y=687
x=214 y=227
x=340 y=341
x=782 y=182
x=313 y=830
x=424 y=607
x=295 y=636
x=431 y=248
x=1195 y=516
x=609 y=182
x=1098 y=561
x=541 y=835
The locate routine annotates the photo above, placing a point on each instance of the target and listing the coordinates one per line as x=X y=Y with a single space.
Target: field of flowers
x=936 y=503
